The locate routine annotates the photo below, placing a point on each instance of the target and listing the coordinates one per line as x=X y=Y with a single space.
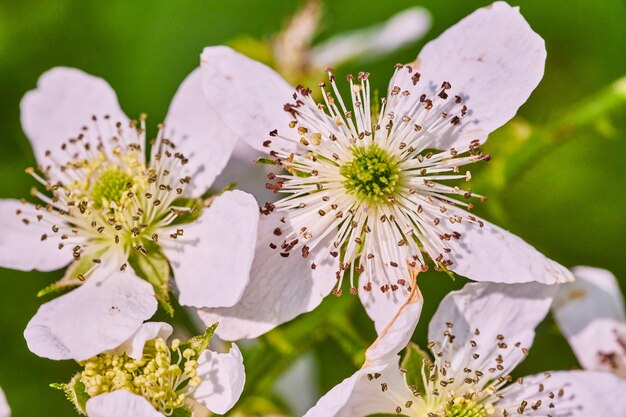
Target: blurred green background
x=564 y=190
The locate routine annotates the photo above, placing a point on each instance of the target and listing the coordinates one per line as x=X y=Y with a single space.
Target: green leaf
x=412 y=362
x=154 y=268
x=181 y=412
x=446 y=270
x=265 y=161
x=75 y=393
x=190 y=210
x=80 y=395
x=74 y=274
x=231 y=186
x=53 y=288
x=208 y=197
x=199 y=343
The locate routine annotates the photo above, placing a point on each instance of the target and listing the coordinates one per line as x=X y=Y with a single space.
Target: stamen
x=373 y=183
x=104 y=195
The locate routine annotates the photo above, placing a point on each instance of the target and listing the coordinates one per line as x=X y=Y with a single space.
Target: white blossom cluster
x=368 y=194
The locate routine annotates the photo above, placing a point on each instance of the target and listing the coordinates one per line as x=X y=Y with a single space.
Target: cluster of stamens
x=372 y=185
x=165 y=376
x=105 y=196
x=478 y=388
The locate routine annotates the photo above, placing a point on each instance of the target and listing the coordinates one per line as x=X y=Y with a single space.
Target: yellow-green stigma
x=373 y=175
x=111 y=186
x=163 y=375
x=462 y=407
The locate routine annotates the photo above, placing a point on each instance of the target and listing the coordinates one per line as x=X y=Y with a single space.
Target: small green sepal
x=265 y=161
x=154 y=268
x=412 y=362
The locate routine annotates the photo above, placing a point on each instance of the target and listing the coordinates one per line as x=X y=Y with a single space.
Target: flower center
x=109 y=197
x=373 y=175
x=162 y=376
x=375 y=184
x=111 y=186
x=462 y=407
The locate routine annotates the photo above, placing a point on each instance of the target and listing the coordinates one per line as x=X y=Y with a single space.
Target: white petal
x=585 y=394
x=401 y=29
x=120 y=404
x=590 y=312
x=360 y=395
x=383 y=306
x=198 y=133
x=280 y=288
x=248 y=96
x=5 y=411
x=212 y=260
x=21 y=244
x=63 y=102
x=133 y=347
x=490 y=253
x=398 y=331
x=223 y=377
x=248 y=175
x=98 y=316
x=492 y=58
x=510 y=310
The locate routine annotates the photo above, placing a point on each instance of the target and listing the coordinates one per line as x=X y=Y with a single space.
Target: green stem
x=343 y=332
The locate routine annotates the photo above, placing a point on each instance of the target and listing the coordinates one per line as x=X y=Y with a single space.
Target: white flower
x=590 y=312
x=477 y=337
x=97 y=316
x=5 y=411
x=296 y=57
x=147 y=377
x=370 y=188
x=105 y=201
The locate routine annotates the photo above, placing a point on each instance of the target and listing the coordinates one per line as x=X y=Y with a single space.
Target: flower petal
x=22 y=242
x=63 y=102
x=590 y=312
x=223 y=377
x=248 y=96
x=401 y=29
x=500 y=318
x=5 y=411
x=361 y=394
x=492 y=59
x=198 y=133
x=133 y=347
x=212 y=260
x=490 y=253
x=585 y=394
x=120 y=404
x=106 y=310
x=250 y=176
x=397 y=332
x=279 y=289
x=383 y=306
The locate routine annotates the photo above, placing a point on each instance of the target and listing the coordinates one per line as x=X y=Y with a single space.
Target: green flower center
x=463 y=407
x=373 y=175
x=111 y=186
